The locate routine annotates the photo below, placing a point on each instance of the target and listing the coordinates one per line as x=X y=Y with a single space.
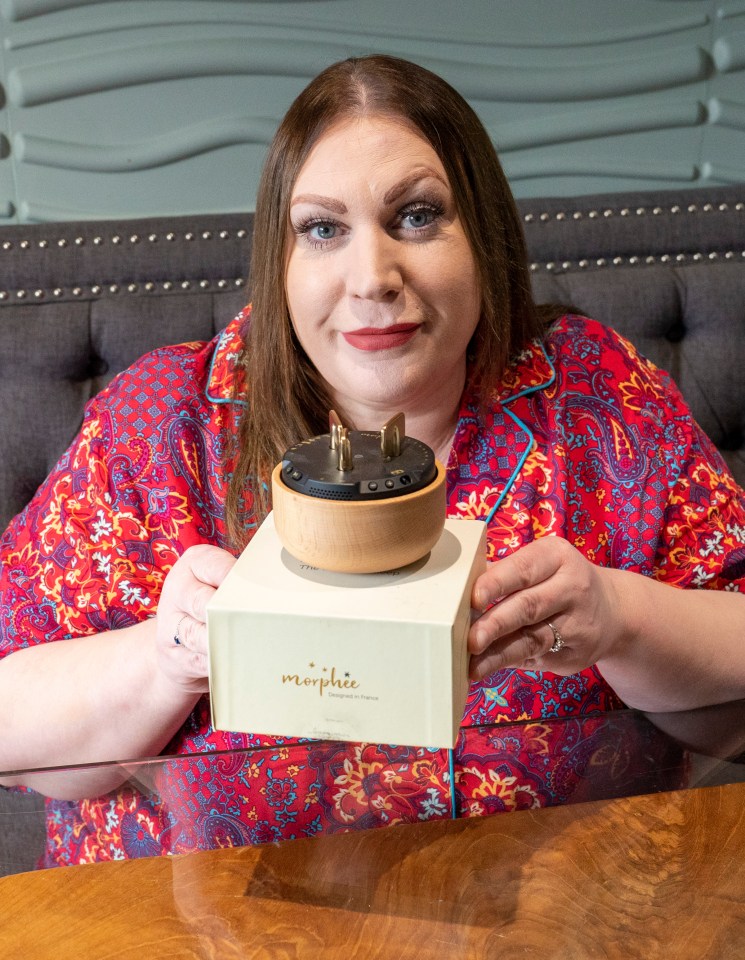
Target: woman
x=403 y=286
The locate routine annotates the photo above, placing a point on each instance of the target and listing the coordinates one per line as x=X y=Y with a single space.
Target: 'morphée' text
x=321 y=683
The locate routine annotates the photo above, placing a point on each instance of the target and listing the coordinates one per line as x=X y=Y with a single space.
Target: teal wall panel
x=138 y=107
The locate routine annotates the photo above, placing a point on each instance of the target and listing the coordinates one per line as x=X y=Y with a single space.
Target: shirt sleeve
x=703 y=537
x=82 y=557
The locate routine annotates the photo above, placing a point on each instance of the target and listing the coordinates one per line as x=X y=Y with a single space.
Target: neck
x=432 y=421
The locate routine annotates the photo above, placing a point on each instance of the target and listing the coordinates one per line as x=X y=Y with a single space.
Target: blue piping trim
x=517 y=469
x=538 y=386
x=523 y=426
x=451 y=767
x=208 y=395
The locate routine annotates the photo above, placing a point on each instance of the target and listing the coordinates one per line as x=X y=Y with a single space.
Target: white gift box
x=379 y=658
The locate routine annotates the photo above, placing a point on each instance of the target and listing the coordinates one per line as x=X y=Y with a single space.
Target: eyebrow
x=318 y=200
x=396 y=191
x=423 y=173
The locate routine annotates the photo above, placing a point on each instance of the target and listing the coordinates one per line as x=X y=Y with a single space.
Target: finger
x=527 y=650
x=190 y=634
x=193 y=581
x=209 y=564
x=524 y=610
x=531 y=564
x=196 y=665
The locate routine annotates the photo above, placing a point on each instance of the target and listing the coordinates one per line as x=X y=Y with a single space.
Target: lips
x=381 y=338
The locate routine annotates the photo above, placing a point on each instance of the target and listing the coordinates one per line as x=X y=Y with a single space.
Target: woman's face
x=381 y=282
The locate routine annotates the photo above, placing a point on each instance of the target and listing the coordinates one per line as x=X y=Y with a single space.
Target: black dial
x=311 y=467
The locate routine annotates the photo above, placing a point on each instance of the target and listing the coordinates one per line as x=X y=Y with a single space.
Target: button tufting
x=732 y=440
x=676 y=332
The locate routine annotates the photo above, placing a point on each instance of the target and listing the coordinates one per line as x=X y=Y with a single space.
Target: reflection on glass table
x=272 y=793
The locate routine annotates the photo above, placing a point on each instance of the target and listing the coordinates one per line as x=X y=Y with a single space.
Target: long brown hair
x=287 y=398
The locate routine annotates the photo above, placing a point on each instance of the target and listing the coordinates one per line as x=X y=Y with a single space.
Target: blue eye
x=321 y=231
x=419 y=218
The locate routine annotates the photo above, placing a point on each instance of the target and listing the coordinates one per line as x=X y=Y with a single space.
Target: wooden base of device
x=359 y=536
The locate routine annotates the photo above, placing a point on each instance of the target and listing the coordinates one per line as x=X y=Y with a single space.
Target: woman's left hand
x=544 y=591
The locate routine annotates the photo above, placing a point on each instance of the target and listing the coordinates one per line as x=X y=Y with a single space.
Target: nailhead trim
x=134 y=238
x=627 y=212
x=149 y=286
x=553 y=266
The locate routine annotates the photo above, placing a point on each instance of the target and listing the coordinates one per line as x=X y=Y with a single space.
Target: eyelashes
x=419 y=218
x=304 y=229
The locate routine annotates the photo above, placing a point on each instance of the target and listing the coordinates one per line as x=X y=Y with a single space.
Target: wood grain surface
x=651 y=877
x=359 y=536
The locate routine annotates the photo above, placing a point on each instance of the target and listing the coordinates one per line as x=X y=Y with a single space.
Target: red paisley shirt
x=583 y=439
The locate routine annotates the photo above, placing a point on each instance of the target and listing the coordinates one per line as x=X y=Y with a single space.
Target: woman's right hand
x=182 y=613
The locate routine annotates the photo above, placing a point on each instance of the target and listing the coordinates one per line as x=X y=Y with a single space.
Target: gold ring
x=558 y=639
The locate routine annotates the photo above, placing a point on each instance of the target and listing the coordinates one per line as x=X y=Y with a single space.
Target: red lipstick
x=381 y=338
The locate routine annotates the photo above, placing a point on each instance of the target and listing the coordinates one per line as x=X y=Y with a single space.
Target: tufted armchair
x=81 y=301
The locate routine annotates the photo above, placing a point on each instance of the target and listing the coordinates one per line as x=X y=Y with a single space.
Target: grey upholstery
x=80 y=302
x=667 y=271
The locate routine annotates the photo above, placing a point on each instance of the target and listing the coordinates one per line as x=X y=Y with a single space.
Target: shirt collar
x=529 y=371
x=226 y=381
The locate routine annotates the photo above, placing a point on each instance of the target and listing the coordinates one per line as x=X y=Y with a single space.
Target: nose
x=374 y=268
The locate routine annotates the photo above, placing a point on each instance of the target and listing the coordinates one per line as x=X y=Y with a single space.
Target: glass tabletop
x=177 y=804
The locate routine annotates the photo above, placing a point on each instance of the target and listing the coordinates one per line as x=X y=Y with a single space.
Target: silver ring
x=558 y=643
x=176 y=638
